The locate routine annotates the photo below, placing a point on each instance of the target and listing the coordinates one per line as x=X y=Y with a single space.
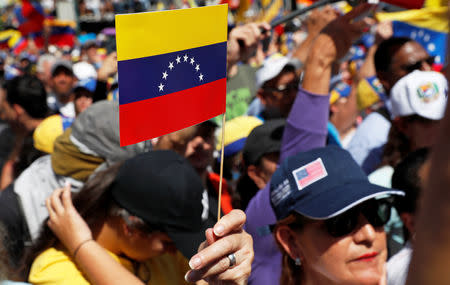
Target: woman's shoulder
x=54 y=266
x=50 y=256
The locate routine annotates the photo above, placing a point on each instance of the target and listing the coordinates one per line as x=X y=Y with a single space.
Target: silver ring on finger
x=232 y=258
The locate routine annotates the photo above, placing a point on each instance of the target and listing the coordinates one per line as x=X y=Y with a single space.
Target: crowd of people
x=328 y=147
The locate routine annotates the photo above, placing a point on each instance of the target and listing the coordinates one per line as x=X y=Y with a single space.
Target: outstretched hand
x=243 y=41
x=108 y=68
x=64 y=220
x=343 y=31
x=212 y=263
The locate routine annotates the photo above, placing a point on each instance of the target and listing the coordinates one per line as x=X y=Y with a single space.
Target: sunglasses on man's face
x=377 y=213
x=283 y=88
x=418 y=64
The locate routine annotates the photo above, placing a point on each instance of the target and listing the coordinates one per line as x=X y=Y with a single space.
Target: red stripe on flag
x=155 y=117
x=410 y=4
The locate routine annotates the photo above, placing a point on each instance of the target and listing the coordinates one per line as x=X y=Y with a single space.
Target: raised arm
x=306 y=126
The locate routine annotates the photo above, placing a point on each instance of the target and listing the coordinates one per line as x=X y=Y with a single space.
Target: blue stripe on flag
x=141 y=78
x=301 y=174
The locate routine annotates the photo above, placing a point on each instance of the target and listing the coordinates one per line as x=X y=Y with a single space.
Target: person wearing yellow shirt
x=146 y=213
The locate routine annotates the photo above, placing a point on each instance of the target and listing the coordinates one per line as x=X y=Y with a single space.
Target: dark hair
x=398 y=145
x=83 y=92
x=28 y=92
x=246 y=189
x=94 y=203
x=5 y=271
x=291 y=273
x=385 y=51
x=406 y=178
x=396 y=148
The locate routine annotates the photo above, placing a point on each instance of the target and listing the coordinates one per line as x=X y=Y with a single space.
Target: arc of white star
x=192 y=60
x=185 y=58
x=164 y=76
x=197 y=67
x=200 y=77
x=161 y=87
x=170 y=65
x=178 y=59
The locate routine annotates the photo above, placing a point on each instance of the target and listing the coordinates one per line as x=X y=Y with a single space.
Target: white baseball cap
x=422 y=93
x=84 y=70
x=272 y=66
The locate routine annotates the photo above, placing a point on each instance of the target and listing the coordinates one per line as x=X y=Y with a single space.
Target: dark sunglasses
x=377 y=213
x=418 y=64
x=283 y=88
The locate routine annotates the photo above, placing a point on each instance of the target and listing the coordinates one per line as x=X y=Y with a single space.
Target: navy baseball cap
x=320 y=184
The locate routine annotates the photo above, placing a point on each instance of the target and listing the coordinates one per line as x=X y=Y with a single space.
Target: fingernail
x=218 y=230
x=195 y=262
x=186 y=276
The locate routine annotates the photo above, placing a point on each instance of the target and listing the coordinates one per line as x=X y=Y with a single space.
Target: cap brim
x=337 y=201
x=188 y=242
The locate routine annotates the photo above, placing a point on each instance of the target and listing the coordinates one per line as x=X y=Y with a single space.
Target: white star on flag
x=185 y=57
x=197 y=67
x=161 y=87
x=200 y=77
x=192 y=60
x=170 y=65
x=164 y=75
x=178 y=59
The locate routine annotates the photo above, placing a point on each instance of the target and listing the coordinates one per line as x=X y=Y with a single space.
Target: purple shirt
x=306 y=128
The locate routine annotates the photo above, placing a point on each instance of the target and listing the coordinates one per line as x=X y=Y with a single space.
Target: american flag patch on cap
x=310 y=173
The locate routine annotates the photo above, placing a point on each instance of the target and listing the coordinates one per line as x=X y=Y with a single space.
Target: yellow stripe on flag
x=435 y=3
x=171 y=31
x=434 y=18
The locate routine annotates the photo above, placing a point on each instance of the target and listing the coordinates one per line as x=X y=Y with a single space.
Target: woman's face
x=356 y=258
x=142 y=246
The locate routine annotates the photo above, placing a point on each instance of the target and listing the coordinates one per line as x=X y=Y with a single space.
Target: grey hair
x=42 y=60
x=131 y=221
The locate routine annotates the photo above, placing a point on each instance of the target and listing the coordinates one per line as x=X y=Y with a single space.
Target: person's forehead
x=410 y=52
x=284 y=77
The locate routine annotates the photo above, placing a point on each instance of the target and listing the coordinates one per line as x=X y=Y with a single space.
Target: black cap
x=163 y=189
x=264 y=139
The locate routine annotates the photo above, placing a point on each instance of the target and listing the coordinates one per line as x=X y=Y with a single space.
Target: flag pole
x=221 y=168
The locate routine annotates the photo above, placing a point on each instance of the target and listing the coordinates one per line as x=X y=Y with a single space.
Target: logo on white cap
x=428 y=92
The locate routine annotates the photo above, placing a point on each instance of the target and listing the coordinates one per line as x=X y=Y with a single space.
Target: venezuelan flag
x=427 y=26
x=172 y=70
x=30 y=16
x=20 y=46
x=7 y=37
x=62 y=33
